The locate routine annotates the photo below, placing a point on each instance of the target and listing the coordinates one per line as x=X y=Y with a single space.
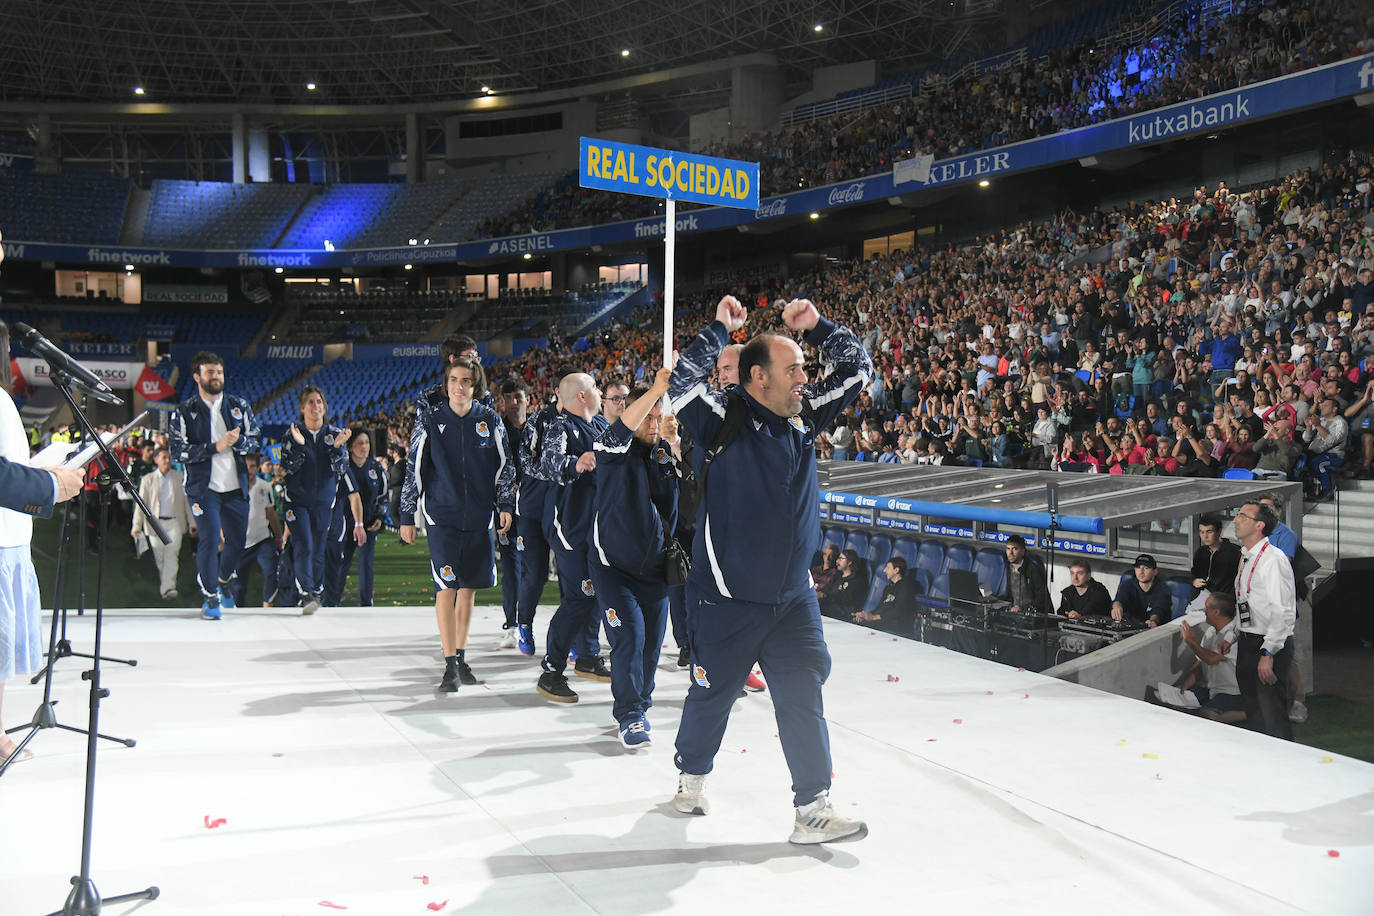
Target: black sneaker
x=684 y=657
x=465 y=675
x=449 y=682
x=593 y=668
x=555 y=687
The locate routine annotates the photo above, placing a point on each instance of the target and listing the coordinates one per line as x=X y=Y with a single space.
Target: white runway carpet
x=342 y=778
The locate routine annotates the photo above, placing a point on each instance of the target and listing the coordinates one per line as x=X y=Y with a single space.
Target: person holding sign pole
x=759 y=526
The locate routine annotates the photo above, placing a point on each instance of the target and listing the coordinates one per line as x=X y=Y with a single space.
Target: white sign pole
x=669 y=254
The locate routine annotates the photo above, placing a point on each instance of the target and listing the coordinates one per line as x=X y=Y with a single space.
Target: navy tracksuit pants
x=342 y=548
x=577 y=611
x=787 y=642
x=263 y=553
x=216 y=514
x=310 y=531
x=533 y=550
x=510 y=576
x=636 y=614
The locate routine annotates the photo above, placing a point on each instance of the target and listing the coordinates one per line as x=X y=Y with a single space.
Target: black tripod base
x=84 y=900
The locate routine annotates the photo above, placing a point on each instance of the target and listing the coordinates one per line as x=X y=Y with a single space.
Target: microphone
x=60 y=362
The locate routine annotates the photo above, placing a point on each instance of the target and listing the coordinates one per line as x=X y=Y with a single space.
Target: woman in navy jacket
x=315 y=462
x=364 y=477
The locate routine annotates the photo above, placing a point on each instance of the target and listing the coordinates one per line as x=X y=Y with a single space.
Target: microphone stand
x=84 y=899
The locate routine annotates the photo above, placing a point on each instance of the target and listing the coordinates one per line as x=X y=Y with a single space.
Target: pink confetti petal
x=894 y=639
x=1025 y=696
x=958 y=721
x=1334 y=853
x=744 y=750
x=1020 y=669
x=217 y=822
x=436 y=907
x=333 y=906
x=989 y=693
x=1160 y=778
x=423 y=879
x=929 y=740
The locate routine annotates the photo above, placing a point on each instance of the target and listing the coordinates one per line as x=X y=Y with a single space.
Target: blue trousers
x=218 y=514
x=263 y=553
x=337 y=564
x=335 y=571
x=310 y=531
x=636 y=614
x=287 y=595
x=728 y=638
x=533 y=550
x=1321 y=468
x=509 y=559
x=577 y=611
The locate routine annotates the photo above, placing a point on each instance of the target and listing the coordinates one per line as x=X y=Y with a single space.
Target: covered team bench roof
x=1088 y=503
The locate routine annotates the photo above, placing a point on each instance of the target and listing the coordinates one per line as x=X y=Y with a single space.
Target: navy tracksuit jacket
x=369 y=482
x=315 y=474
x=569 y=511
x=191 y=442
x=636 y=486
x=531 y=545
x=758 y=526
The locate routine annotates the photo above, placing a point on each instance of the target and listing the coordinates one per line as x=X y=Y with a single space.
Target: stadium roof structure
x=399 y=52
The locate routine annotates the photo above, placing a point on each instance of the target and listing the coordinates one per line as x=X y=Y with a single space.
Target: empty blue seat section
x=991 y=566
x=251 y=379
x=856 y=541
x=1181 y=588
x=220 y=215
x=74 y=207
x=931 y=558
x=907 y=549
x=225 y=334
x=833 y=535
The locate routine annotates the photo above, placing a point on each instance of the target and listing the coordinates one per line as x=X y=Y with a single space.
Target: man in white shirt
x=1210 y=686
x=263 y=540
x=1266 y=612
x=164 y=493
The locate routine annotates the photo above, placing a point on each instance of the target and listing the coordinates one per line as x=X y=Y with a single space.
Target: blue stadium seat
x=1181 y=587
x=907 y=549
x=991 y=567
x=1237 y=474
x=857 y=541
x=833 y=535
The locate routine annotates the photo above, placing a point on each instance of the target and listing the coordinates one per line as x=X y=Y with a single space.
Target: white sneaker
x=507 y=640
x=818 y=823
x=689 y=798
x=1297 y=713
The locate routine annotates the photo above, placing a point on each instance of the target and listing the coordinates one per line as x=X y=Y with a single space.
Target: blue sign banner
x=671 y=175
x=291 y=351
x=1310 y=88
x=84 y=348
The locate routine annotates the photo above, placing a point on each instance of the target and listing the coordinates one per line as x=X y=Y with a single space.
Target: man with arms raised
x=759 y=526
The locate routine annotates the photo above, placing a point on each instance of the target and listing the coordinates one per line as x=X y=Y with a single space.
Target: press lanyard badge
x=1243 y=605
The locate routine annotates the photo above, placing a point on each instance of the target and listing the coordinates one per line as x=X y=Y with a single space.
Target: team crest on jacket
x=290 y=514
x=699 y=675
x=797 y=424
x=483 y=429
x=446 y=573
x=519 y=542
x=587 y=588
x=236 y=413
x=196 y=510
x=661 y=455
x=612 y=617
x=372 y=473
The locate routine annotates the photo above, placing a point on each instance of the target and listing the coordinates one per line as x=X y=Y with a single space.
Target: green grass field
x=403 y=579
x=402 y=576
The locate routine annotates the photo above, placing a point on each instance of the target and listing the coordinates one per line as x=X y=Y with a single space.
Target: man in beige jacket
x=164 y=493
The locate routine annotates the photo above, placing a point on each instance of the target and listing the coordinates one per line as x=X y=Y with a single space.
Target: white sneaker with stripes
x=818 y=823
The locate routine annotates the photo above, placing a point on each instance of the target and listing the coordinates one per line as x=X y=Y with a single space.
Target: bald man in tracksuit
x=636 y=503
x=758 y=527
x=568 y=463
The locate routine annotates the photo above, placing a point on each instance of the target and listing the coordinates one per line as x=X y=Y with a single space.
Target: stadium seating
x=351 y=387
x=219 y=215
x=75 y=207
x=251 y=378
x=223 y=332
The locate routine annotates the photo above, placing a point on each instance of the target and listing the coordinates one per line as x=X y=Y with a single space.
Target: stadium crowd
x=1073 y=87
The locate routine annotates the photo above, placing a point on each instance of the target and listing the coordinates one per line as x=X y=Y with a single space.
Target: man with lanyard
x=211 y=434
x=568 y=461
x=758 y=528
x=636 y=509
x=1266 y=610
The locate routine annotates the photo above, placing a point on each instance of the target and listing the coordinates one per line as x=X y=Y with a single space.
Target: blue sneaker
x=634 y=734
x=524 y=640
x=209 y=611
x=226 y=599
